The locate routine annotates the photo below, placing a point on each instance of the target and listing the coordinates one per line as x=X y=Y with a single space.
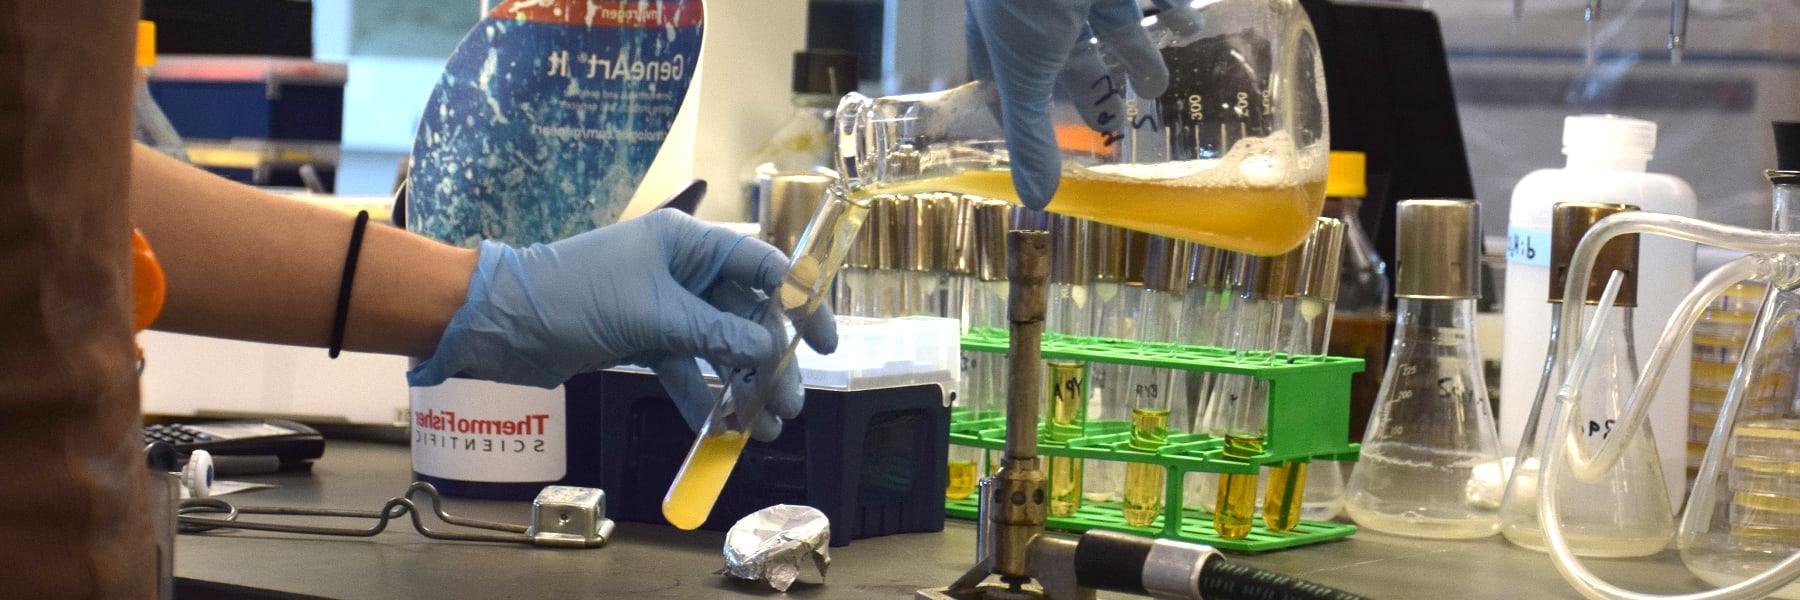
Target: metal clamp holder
x=561 y=516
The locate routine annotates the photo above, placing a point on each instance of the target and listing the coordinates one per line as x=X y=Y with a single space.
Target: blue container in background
x=872 y=460
x=258 y=98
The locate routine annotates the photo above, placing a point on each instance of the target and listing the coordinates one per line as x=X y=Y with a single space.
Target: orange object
x=146 y=44
x=1075 y=137
x=148 y=288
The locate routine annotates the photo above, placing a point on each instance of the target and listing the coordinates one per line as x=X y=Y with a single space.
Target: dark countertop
x=648 y=561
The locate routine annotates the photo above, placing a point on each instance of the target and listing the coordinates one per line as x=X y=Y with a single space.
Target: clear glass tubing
x=817 y=256
x=1770 y=260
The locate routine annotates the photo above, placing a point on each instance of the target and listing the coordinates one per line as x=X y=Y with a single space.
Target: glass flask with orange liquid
x=1232 y=155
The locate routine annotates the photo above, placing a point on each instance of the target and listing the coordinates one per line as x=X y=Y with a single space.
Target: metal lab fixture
x=561 y=517
x=1678 y=19
x=1011 y=543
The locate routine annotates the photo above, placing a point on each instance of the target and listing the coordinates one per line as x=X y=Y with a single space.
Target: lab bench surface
x=648 y=561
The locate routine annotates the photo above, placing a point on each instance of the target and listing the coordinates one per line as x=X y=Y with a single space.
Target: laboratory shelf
x=1308 y=419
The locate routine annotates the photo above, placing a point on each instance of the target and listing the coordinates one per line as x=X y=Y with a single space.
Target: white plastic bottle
x=1607 y=158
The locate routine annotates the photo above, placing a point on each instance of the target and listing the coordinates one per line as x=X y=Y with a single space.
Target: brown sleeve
x=73 y=520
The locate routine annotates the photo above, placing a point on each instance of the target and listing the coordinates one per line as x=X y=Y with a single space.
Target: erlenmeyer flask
x=1743 y=515
x=1626 y=513
x=1432 y=425
x=1232 y=155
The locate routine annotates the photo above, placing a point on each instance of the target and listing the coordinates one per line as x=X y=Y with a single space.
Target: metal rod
x=1027 y=271
x=1678 y=21
x=1018 y=509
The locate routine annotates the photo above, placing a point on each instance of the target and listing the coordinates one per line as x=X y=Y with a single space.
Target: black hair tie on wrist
x=343 y=297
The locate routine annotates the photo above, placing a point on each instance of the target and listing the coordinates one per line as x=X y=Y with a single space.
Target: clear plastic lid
x=877 y=353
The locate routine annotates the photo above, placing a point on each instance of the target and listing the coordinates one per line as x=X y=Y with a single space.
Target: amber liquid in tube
x=1261 y=219
x=1064 y=418
x=1144 y=483
x=816 y=261
x=1287 y=486
x=961 y=482
x=1236 y=508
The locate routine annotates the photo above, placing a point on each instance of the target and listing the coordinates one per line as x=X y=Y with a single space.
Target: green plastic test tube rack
x=1309 y=416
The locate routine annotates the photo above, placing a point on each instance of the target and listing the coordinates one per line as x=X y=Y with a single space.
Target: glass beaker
x=1232 y=155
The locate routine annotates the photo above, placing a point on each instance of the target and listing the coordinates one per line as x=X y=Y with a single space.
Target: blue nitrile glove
x=656 y=291
x=1028 y=47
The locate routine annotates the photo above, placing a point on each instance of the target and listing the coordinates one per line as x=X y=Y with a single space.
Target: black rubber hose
x=1112 y=561
x=1224 y=580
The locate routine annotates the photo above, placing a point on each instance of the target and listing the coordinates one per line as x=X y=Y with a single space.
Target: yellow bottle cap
x=1344 y=175
x=146 y=44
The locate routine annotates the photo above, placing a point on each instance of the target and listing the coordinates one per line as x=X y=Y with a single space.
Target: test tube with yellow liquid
x=1064 y=419
x=1309 y=306
x=817 y=257
x=1239 y=403
x=1152 y=391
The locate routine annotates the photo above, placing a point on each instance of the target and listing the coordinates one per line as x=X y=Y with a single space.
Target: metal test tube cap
x=1324 y=251
x=1439 y=249
x=792 y=200
x=1212 y=267
x=1108 y=251
x=992 y=219
x=1571 y=221
x=1266 y=277
x=887 y=232
x=1167 y=263
x=962 y=254
x=1070 y=251
x=921 y=235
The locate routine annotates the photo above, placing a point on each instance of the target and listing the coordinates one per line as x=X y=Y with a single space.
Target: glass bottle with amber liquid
x=1359 y=329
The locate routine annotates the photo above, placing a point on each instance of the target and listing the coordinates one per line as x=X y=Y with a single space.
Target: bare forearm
x=246 y=264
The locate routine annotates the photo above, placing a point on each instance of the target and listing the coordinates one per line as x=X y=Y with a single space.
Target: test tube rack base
x=1308 y=419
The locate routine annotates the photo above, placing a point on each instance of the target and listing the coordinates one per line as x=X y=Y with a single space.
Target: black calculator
x=290 y=442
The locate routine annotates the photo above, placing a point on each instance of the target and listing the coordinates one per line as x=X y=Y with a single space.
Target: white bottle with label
x=1607 y=160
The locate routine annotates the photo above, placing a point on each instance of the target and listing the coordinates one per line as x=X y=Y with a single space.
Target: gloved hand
x=656 y=291
x=1027 y=46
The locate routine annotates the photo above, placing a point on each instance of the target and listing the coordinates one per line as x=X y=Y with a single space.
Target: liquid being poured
x=1255 y=199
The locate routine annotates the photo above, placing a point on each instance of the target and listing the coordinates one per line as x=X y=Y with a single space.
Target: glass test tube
x=1307 y=332
x=1111 y=251
x=1152 y=391
x=1070 y=312
x=987 y=308
x=957 y=258
x=817 y=257
x=1239 y=403
x=1208 y=297
x=854 y=286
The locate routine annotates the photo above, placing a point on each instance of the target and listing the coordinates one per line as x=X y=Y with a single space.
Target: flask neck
x=1787 y=200
x=1438 y=320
